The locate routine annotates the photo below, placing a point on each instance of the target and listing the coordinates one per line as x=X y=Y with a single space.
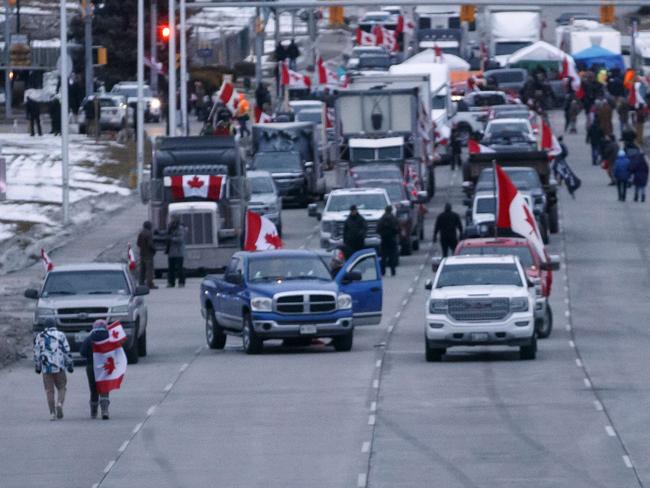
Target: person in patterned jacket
x=52 y=358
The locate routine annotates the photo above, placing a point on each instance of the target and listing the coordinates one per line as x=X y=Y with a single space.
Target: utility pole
x=88 y=48
x=171 y=86
x=183 y=76
x=17 y=16
x=259 y=46
x=7 y=63
x=140 y=107
x=65 y=175
x=153 y=72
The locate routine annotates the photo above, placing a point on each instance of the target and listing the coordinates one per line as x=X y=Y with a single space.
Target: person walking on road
x=147 y=252
x=610 y=153
x=456 y=149
x=639 y=171
x=622 y=174
x=450 y=228
x=242 y=115
x=33 y=110
x=176 y=253
x=595 y=138
x=98 y=334
x=388 y=230
x=354 y=232
x=51 y=359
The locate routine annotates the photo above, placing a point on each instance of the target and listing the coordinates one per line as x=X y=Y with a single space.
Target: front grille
x=305 y=303
x=479 y=309
x=338 y=229
x=70 y=311
x=199 y=228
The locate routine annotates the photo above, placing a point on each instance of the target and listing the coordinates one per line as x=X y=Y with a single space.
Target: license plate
x=79 y=337
x=307 y=329
x=479 y=336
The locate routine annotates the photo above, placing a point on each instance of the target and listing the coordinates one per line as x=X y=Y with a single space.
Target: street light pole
x=153 y=20
x=171 y=86
x=65 y=175
x=140 y=106
x=88 y=48
x=183 y=77
x=7 y=63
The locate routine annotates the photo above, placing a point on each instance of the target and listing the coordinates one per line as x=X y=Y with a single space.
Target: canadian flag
x=364 y=38
x=261 y=233
x=261 y=117
x=385 y=38
x=293 y=79
x=131 y=258
x=228 y=95
x=48 y=265
x=405 y=25
x=635 y=98
x=569 y=71
x=514 y=213
x=109 y=360
x=325 y=75
x=474 y=147
x=210 y=187
x=549 y=142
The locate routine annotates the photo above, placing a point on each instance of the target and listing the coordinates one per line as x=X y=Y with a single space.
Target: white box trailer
x=642 y=51
x=582 y=34
x=509 y=30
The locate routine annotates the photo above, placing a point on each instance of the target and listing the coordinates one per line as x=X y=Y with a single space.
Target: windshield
x=278 y=162
x=523 y=180
x=511 y=114
x=363 y=201
x=395 y=189
x=503 y=48
x=439 y=102
x=507 y=76
x=367 y=61
x=261 y=184
x=287 y=268
x=479 y=275
x=506 y=129
x=489 y=100
x=309 y=116
x=485 y=205
x=522 y=252
x=85 y=283
x=131 y=91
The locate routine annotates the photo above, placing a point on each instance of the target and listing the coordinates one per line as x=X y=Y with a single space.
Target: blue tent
x=596 y=55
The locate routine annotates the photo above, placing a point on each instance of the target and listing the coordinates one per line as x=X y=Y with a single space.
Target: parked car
x=358 y=51
x=508 y=79
x=129 y=90
x=265 y=199
x=473 y=111
x=480 y=301
x=77 y=295
x=291 y=295
x=114 y=114
x=511 y=134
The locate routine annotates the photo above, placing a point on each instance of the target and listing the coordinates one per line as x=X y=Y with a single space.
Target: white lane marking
x=168 y=387
x=137 y=428
x=587 y=382
x=398 y=314
x=198 y=351
x=362 y=480
x=578 y=363
x=95 y=485
x=302 y=246
x=371 y=420
x=375 y=384
x=566 y=300
x=572 y=344
x=390 y=329
x=109 y=466
x=405 y=301
x=610 y=431
x=123 y=447
x=566 y=278
x=151 y=410
x=378 y=363
x=566 y=288
x=567 y=327
x=411 y=290
x=598 y=405
x=627 y=461
x=415 y=278
x=567 y=313
x=365 y=447
x=421 y=267
x=373 y=407
x=184 y=367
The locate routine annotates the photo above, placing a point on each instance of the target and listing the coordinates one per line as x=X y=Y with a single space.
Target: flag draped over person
x=261 y=233
x=109 y=359
x=229 y=96
x=514 y=213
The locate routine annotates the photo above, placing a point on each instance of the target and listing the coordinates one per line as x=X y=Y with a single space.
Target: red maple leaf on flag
x=116 y=334
x=273 y=240
x=109 y=366
x=530 y=219
x=195 y=182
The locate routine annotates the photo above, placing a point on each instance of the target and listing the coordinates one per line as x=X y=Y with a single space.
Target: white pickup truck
x=479 y=301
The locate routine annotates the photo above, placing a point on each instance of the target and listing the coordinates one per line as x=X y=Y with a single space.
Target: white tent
x=429 y=56
x=538 y=51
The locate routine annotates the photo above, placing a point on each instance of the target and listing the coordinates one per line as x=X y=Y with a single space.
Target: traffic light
x=20 y=55
x=100 y=56
x=607 y=14
x=467 y=13
x=165 y=32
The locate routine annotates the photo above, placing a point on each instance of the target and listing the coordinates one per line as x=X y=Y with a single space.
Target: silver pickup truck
x=77 y=295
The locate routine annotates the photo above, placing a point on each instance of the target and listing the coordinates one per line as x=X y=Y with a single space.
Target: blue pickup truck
x=293 y=296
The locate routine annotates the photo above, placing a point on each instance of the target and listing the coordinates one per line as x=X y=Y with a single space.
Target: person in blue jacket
x=622 y=174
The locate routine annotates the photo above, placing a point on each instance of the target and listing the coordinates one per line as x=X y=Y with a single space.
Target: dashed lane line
x=365 y=447
x=610 y=431
x=362 y=480
x=123 y=446
x=598 y=405
x=371 y=420
x=373 y=407
x=109 y=466
x=578 y=362
x=627 y=461
x=587 y=382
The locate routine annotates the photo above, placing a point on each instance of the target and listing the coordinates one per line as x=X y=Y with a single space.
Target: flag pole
x=496 y=198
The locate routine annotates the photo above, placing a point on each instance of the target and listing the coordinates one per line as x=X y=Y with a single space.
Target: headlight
x=155 y=103
x=344 y=301
x=519 y=304
x=438 y=306
x=261 y=304
x=120 y=309
x=42 y=311
x=327 y=225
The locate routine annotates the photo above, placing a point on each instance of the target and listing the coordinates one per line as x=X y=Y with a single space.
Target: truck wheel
x=343 y=343
x=546 y=325
x=433 y=354
x=142 y=344
x=214 y=334
x=405 y=247
x=530 y=351
x=132 y=352
x=553 y=220
x=251 y=342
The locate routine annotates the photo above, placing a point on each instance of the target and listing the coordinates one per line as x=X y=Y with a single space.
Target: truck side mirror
x=467 y=202
x=553 y=264
x=428 y=285
x=31 y=293
x=141 y=291
x=312 y=209
x=235 y=278
x=421 y=197
x=435 y=263
x=351 y=276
